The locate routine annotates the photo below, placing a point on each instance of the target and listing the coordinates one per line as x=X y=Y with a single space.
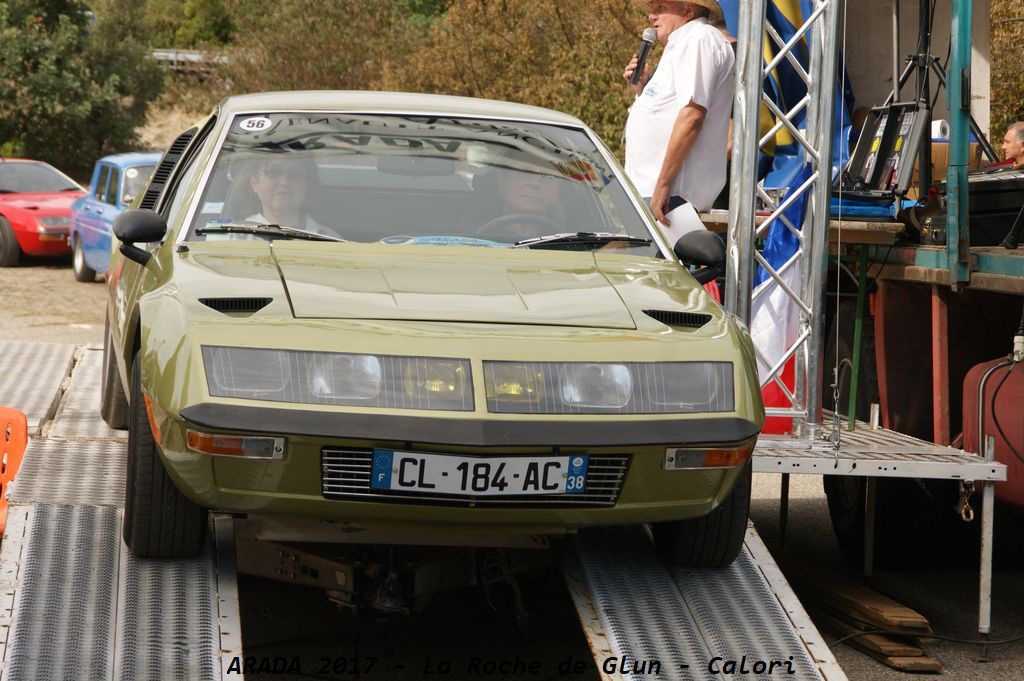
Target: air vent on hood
x=673 y=318
x=236 y=306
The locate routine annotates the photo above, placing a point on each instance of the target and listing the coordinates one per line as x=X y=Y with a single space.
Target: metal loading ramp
x=635 y=610
x=74 y=603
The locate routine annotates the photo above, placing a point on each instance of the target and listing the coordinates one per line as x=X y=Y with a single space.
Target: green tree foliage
x=1007 y=37
x=185 y=23
x=117 y=51
x=295 y=44
x=203 y=22
x=70 y=91
x=567 y=55
x=161 y=19
x=421 y=14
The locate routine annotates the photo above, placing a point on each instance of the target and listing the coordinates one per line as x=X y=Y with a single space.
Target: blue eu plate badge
x=382 y=465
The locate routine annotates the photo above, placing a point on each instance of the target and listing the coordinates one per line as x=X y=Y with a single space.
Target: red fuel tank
x=1009 y=409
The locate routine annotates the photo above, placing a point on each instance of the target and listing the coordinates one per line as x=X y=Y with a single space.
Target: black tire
x=10 y=251
x=83 y=272
x=113 y=401
x=910 y=515
x=710 y=541
x=159 y=521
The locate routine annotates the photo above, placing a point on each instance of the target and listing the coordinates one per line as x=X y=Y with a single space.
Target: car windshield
x=23 y=178
x=135 y=179
x=419 y=180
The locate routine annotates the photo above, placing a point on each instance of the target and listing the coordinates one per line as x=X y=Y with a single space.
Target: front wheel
x=10 y=251
x=113 y=401
x=710 y=541
x=159 y=521
x=82 y=270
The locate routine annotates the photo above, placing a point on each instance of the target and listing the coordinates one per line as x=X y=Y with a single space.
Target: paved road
x=42 y=301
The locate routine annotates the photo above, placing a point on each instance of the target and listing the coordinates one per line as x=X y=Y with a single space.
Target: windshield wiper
x=581 y=238
x=70 y=189
x=267 y=230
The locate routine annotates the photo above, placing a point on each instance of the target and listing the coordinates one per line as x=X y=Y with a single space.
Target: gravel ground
x=41 y=301
x=948 y=598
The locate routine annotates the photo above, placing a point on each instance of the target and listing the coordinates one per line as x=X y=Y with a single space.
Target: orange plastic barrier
x=13 y=440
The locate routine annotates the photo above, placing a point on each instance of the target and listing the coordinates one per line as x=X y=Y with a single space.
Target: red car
x=35 y=209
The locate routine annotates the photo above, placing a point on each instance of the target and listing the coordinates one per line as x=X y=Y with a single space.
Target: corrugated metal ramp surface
x=691 y=622
x=78 y=414
x=30 y=377
x=74 y=603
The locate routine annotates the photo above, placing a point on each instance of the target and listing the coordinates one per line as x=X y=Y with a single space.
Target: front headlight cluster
x=608 y=388
x=335 y=378
x=54 y=221
x=390 y=382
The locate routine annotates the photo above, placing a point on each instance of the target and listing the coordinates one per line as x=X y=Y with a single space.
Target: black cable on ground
x=950 y=639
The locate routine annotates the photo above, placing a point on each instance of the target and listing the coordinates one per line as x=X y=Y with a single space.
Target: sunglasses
x=277 y=172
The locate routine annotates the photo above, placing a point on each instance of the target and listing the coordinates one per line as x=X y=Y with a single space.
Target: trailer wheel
x=159 y=521
x=113 y=402
x=713 y=540
x=10 y=251
x=909 y=513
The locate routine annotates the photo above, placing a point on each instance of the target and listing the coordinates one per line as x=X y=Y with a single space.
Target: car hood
x=444 y=284
x=449 y=284
x=52 y=202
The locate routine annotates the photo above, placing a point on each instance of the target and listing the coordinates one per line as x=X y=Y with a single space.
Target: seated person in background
x=1013 y=144
x=281 y=186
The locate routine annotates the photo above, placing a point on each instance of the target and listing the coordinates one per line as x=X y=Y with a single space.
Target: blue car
x=116 y=181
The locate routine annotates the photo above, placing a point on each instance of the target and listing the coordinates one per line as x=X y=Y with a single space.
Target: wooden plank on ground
x=883 y=645
x=911 y=664
x=848 y=597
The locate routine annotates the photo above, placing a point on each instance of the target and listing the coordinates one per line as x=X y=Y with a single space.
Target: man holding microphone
x=678 y=127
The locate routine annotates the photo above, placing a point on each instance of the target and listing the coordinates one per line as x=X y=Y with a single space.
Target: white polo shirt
x=698 y=66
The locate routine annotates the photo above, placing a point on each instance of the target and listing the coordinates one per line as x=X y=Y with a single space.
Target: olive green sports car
x=431 y=316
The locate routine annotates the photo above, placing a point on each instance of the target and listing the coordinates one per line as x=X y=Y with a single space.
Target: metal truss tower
x=820 y=32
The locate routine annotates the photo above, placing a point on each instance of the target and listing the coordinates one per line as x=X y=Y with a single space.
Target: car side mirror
x=138 y=226
x=704 y=249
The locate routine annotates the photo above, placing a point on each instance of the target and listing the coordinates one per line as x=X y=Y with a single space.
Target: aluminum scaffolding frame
x=821 y=31
x=859 y=450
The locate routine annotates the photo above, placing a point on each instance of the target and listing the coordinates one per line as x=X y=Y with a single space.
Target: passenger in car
x=281 y=187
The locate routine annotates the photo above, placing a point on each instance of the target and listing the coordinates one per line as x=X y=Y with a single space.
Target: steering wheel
x=505 y=221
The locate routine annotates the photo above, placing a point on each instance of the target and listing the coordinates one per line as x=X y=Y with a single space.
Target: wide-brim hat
x=712 y=6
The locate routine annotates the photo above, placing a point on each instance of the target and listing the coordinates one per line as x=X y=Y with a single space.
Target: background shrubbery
x=1007 y=61
x=75 y=82
x=72 y=87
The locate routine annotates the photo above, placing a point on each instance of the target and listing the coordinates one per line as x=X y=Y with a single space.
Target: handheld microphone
x=646 y=41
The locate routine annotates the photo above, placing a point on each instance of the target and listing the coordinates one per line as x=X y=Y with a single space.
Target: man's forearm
x=684 y=136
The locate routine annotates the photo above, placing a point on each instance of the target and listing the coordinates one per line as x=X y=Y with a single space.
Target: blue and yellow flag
x=782 y=158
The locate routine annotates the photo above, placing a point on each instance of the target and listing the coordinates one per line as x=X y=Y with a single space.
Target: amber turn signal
x=680 y=458
x=231 y=445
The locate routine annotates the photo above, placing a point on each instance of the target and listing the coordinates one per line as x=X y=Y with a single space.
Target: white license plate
x=472 y=475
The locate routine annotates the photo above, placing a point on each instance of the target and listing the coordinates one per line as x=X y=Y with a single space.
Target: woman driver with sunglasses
x=281 y=186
